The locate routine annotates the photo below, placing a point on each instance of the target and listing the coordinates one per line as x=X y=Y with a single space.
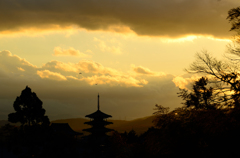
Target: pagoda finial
x=98 y=101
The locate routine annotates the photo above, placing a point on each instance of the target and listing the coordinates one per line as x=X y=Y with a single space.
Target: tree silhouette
x=28 y=109
x=201 y=96
x=233 y=17
x=162 y=116
x=227 y=72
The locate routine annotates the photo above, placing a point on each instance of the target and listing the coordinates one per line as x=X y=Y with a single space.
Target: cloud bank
x=70 y=90
x=175 y=18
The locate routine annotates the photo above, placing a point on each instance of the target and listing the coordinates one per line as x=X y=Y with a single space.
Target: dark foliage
x=224 y=72
x=28 y=109
x=187 y=132
x=234 y=18
x=201 y=97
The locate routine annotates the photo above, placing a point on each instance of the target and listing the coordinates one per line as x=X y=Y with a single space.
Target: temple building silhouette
x=98 y=121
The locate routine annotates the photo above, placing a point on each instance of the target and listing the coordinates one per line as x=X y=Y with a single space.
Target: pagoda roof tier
x=98 y=114
x=98 y=130
x=95 y=122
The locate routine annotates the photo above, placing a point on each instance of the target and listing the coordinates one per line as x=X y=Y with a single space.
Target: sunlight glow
x=190 y=38
x=181 y=39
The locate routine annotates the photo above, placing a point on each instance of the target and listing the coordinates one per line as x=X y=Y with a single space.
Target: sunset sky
x=134 y=50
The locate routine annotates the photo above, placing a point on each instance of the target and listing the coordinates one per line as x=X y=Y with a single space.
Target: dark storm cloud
x=171 y=18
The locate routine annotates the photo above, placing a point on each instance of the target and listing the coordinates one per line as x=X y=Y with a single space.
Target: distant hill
x=139 y=125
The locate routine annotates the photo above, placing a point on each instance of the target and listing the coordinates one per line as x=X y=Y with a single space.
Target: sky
x=133 y=53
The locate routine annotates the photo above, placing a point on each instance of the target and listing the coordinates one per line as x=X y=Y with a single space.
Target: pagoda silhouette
x=98 y=121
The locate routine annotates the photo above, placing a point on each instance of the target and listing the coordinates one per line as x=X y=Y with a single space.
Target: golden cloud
x=57 y=65
x=145 y=71
x=183 y=83
x=142 y=70
x=127 y=81
x=72 y=77
x=58 y=51
x=20 y=69
x=103 y=75
x=88 y=67
x=51 y=75
x=59 y=71
x=13 y=64
x=180 y=82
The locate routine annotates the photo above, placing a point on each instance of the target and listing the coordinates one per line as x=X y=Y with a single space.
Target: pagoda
x=98 y=121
